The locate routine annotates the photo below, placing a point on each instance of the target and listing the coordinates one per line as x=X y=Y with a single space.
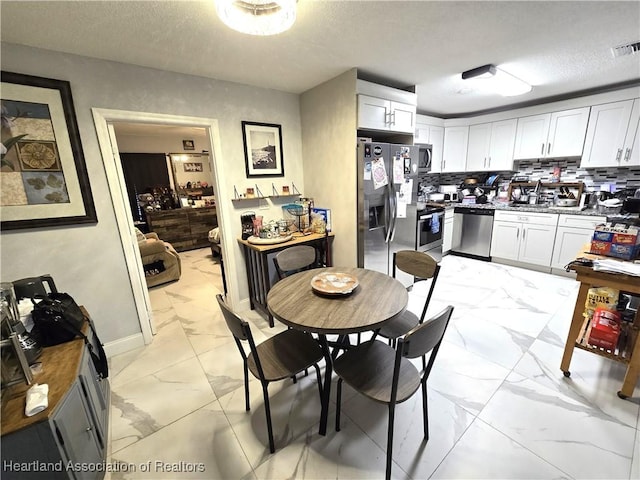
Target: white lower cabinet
x=524 y=237
x=447 y=234
x=573 y=233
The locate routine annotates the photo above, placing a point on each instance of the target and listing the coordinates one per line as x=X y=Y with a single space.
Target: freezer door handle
x=392 y=209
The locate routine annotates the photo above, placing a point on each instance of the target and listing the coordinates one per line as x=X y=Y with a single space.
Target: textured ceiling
x=559 y=47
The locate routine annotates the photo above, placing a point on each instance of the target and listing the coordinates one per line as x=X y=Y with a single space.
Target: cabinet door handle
x=542 y=149
x=618 y=155
x=88 y=429
x=518 y=233
x=444 y=162
x=549 y=148
x=484 y=164
x=489 y=160
x=392 y=118
x=627 y=155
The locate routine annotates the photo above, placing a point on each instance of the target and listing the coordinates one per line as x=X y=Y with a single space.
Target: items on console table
x=184 y=228
x=73 y=429
x=257 y=264
x=578 y=336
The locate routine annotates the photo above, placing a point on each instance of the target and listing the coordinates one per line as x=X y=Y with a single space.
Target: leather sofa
x=160 y=260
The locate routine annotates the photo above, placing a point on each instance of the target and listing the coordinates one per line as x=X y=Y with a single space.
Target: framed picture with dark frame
x=263 y=149
x=43 y=176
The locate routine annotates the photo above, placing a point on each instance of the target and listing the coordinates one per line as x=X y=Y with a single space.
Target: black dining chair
x=281 y=356
x=423 y=267
x=295 y=259
x=386 y=375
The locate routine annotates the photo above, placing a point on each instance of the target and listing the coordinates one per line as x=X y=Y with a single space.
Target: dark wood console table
x=256 y=259
x=184 y=228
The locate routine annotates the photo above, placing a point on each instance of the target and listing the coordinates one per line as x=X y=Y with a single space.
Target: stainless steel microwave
x=424 y=158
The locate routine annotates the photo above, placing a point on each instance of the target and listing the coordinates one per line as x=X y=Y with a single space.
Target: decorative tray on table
x=334 y=283
x=268 y=241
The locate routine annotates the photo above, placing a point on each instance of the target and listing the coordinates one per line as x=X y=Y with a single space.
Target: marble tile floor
x=499 y=406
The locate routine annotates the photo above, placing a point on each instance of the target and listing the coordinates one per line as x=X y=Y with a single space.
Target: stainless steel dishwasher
x=472 y=229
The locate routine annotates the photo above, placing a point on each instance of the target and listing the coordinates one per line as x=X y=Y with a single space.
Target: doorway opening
x=106 y=121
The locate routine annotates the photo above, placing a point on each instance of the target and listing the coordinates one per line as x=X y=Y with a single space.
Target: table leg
x=574 y=329
x=326 y=391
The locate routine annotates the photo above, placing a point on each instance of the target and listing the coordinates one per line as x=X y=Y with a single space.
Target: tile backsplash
x=593 y=178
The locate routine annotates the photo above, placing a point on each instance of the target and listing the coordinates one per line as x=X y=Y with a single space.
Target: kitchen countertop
x=531 y=208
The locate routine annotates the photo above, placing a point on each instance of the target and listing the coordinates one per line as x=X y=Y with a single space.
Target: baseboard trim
x=123 y=345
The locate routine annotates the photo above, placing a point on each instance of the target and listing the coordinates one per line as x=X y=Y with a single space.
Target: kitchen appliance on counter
x=387 y=204
x=472 y=230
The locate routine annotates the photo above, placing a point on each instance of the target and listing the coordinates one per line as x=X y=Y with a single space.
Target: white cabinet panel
x=569 y=243
x=373 y=113
x=531 y=136
x=503 y=138
x=491 y=146
x=455 y=149
x=573 y=233
x=567 y=132
x=551 y=135
x=631 y=156
x=478 y=147
x=526 y=237
x=447 y=235
x=505 y=240
x=608 y=125
x=536 y=244
x=380 y=114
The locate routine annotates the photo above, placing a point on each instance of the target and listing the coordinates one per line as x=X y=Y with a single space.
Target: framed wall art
x=43 y=176
x=263 y=149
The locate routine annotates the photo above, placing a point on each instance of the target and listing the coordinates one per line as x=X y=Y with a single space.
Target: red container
x=605 y=329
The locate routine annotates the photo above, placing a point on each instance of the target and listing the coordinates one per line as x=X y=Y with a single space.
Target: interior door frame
x=104 y=120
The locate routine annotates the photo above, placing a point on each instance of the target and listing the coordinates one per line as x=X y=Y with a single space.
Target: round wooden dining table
x=377 y=299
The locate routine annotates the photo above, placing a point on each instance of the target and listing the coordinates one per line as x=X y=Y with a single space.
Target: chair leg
x=425 y=411
x=267 y=410
x=338 y=401
x=246 y=387
x=392 y=410
x=319 y=380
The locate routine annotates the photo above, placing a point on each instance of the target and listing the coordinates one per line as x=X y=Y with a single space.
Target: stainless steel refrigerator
x=387 y=204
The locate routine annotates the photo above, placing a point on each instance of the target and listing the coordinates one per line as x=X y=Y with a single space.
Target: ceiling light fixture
x=492 y=79
x=257 y=17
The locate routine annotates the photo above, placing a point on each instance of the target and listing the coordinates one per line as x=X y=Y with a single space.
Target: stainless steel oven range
x=429 y=230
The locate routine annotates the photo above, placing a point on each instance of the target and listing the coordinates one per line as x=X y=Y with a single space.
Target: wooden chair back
x=425 y=338
x=239 y=328
x=422 y=266
x=295 y=259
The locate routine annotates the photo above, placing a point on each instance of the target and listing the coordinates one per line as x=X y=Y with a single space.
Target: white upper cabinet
x=551 y=135
x=631 y=156
x=385 y=108
x=454 y=156
x=607 y=144
x=491 y=146
x=380 y=114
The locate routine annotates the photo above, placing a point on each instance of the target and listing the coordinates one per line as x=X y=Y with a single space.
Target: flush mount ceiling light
x=492 y=79
x=257 y=17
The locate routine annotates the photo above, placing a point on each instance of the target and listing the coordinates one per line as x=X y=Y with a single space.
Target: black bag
x=58 y=319
x=51 y=313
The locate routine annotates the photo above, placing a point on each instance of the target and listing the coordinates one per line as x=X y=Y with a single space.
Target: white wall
x=329 y=133
x=88 y=261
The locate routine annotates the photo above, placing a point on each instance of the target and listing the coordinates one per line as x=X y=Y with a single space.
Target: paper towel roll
x=37 y=399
